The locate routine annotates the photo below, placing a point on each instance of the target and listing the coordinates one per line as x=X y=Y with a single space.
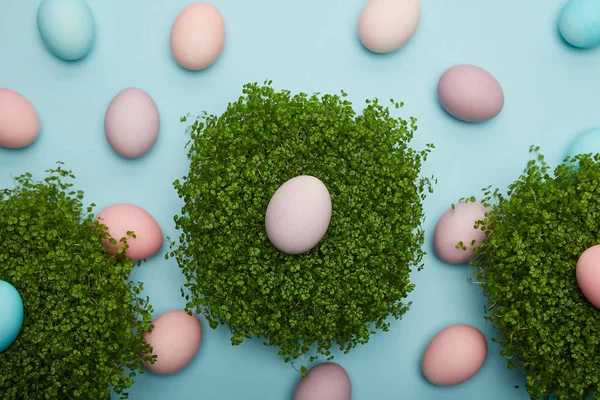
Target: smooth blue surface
x=67 y=28
x=550 y=91
x=579 y=23
x=11 y=314
x=588 y=142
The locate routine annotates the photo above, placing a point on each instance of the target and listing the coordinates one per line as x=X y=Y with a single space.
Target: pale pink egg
x=454 y=355
x=19 y=122
x=131 y=123
x=175 y=340
x=470 y=93
x=386 y=25
x=122 y=218
x=298 y=214
x=458 y=225
x=327 y=381
x=588 y=274
x=198 y=36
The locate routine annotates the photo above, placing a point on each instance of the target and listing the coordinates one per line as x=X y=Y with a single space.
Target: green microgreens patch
x=344 y=289
x=83 y=326
x=526 y=266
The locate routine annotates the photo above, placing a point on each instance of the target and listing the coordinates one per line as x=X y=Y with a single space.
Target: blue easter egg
x=67 y=28
x=579 y=23
x=11 y=314
x=588 y=142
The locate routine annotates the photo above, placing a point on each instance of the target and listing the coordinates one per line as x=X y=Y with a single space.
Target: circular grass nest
x=83 y=326
x=345 y=288
x=534 y=237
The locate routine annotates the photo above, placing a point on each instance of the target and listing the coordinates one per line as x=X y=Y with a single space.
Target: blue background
x=310 y=45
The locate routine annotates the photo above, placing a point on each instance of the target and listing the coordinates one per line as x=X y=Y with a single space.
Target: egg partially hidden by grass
x=298 y=214
x=123 y=218
x=175 y=340
x=588 y=274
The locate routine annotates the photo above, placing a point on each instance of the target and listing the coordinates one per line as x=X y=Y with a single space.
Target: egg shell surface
x=470 y=93
x=175 y=340
x=198 y=36
x=386 y=25
x=11 y=314
x=585 y=143
x=67 y=28
x=121 y=218
x=454 y=355
x=132 y=123
x=587 y=273
x=326 y=381
x=19 y=121
x=298 y=214
x=457 y=225
x=579 y=23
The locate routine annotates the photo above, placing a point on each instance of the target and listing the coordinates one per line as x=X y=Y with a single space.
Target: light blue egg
x=11 y=314
x=579 y=23
x=588 y=142
x=67 y=28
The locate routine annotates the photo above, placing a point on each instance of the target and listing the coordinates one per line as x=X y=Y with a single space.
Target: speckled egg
x=455 y=225
x=198 y=36
x=386 y=25
x=327 y=381
x=579 y=23
x=454 y=355
x=121 y=218
x=298 y=214
x=19 y=122
x=588 y=274
x=175 y=340
x=131 y=123
x=11 y=314
x=470 y=93
x=67 y=28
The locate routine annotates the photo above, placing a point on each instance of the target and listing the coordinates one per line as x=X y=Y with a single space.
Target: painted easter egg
x=19 y=122
x=470 y=93
x=11 y=314
x=67 y=28
x=454 y=355
x=123 y=218
x=386 y=25
x=198 y=36
x=131 y=123
x=326 y=381
x=587 y=142
x=298 y=214
x=175 y=340
x=588 y=274
x=579 y=23
x=458 y=225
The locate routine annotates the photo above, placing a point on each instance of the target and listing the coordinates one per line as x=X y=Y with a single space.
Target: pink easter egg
x=121 y=218
x=131 y=123
x=454 y=355
x=588 y=274
x=198 y=36
x=175 y=340
x=470 y=93
x=327 y=381
x=19 y=122
x=458 y=225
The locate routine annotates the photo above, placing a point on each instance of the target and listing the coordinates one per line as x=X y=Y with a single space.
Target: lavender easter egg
x=132 y=123
x=470 y=93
